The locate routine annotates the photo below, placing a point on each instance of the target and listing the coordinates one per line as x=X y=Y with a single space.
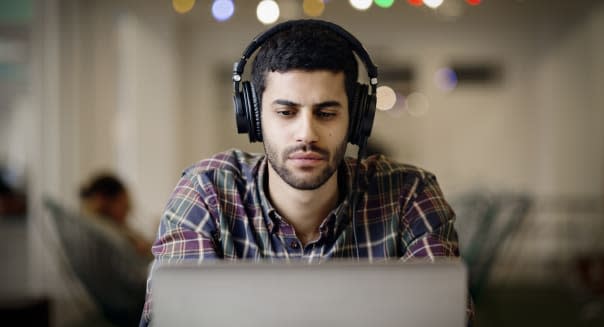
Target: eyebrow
x=321 y=105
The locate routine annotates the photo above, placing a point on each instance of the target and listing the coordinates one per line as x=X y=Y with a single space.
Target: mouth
x=306 y=158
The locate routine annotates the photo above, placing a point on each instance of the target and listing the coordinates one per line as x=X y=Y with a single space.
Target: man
x=301 y=199
x=106 y=197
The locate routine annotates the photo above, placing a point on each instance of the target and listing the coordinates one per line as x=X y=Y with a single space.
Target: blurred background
x=502 y=99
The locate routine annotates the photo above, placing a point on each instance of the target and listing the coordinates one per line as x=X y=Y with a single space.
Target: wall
x=569 y=76
x=566 y=223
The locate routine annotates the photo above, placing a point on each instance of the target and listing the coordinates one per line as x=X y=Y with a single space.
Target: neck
x=305 y=210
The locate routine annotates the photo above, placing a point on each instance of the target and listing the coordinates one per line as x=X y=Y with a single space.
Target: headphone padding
x=358 y=112
x=353 y=114
x=240 y=114
x=252 y=112
x=368 y=117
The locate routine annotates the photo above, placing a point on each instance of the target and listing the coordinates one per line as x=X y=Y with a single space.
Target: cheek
x=269 y=131
x=277 y=130
x=341 y=131
x=267 y=126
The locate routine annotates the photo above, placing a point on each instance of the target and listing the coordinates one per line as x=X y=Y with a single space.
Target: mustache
x=305 y=148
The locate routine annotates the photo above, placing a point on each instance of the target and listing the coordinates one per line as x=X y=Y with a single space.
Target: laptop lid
x=338 y=293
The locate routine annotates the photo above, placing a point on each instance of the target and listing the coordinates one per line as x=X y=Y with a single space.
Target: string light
x=445 y=79
x=384 y=3
x=361 y=4
x=183 y=6
x=267 y=11
x=433 y=3
x=386 y=98
x=222 y=9
x=313 y=8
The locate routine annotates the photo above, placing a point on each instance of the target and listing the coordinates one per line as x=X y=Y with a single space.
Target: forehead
x=302 y=83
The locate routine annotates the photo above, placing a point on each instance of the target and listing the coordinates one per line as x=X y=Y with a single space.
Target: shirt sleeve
x=185 y=233
x=428 y=230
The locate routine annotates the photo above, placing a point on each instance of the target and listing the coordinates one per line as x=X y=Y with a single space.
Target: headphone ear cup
x=362 y=114
x=369 y=103
x=252 y=112
x=240 y=113
x=353 y=126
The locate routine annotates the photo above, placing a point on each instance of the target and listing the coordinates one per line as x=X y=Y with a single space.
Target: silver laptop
x=332 y=294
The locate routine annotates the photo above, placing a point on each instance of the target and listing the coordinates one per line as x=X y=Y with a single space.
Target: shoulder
x=389 y=179
x=210 y=184
x=380 y=166
x=233 y=162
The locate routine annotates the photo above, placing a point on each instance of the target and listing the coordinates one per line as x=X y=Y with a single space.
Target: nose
x=305 y=128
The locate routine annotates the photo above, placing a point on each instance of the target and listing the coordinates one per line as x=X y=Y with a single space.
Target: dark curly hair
x=307 y=45
x=104 y=184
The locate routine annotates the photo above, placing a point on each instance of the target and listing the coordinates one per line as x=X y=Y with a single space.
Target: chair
x=484 y=223
x=108 y=266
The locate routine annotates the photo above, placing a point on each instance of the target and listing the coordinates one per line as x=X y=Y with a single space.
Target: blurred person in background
x=116 y=257
x=13 y=203
x=105 y=197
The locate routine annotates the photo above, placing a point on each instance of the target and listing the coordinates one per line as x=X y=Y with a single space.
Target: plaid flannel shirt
x=220 y=210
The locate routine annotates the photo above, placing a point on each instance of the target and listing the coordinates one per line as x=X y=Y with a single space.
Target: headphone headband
x=357 y=47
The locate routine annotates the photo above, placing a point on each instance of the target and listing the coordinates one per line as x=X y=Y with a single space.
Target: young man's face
x=304 y=125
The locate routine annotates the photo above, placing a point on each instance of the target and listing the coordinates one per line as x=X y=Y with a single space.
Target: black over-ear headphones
x=362 y=107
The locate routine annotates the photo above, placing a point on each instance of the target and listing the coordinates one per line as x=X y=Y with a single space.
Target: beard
x=301 y=182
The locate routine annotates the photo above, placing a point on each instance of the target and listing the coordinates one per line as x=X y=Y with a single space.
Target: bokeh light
x=222 y=9
x=384 y=3
x=267 y=11
x=473 y=2
x=417 y=104
x=361 y=4
x=445 y=79
x=415 y=3
x=183 y=6
x=386 y=98
x=433 y=3
x=313 y=8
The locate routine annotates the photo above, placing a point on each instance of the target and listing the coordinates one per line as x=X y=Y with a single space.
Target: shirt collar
x=268 y=211
x=345 y=181
x=336 y=219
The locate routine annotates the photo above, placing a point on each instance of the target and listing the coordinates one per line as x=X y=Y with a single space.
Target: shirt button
x=294 y=245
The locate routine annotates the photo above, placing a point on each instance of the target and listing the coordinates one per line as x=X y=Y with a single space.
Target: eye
x=285 y=112
x=326 y=114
